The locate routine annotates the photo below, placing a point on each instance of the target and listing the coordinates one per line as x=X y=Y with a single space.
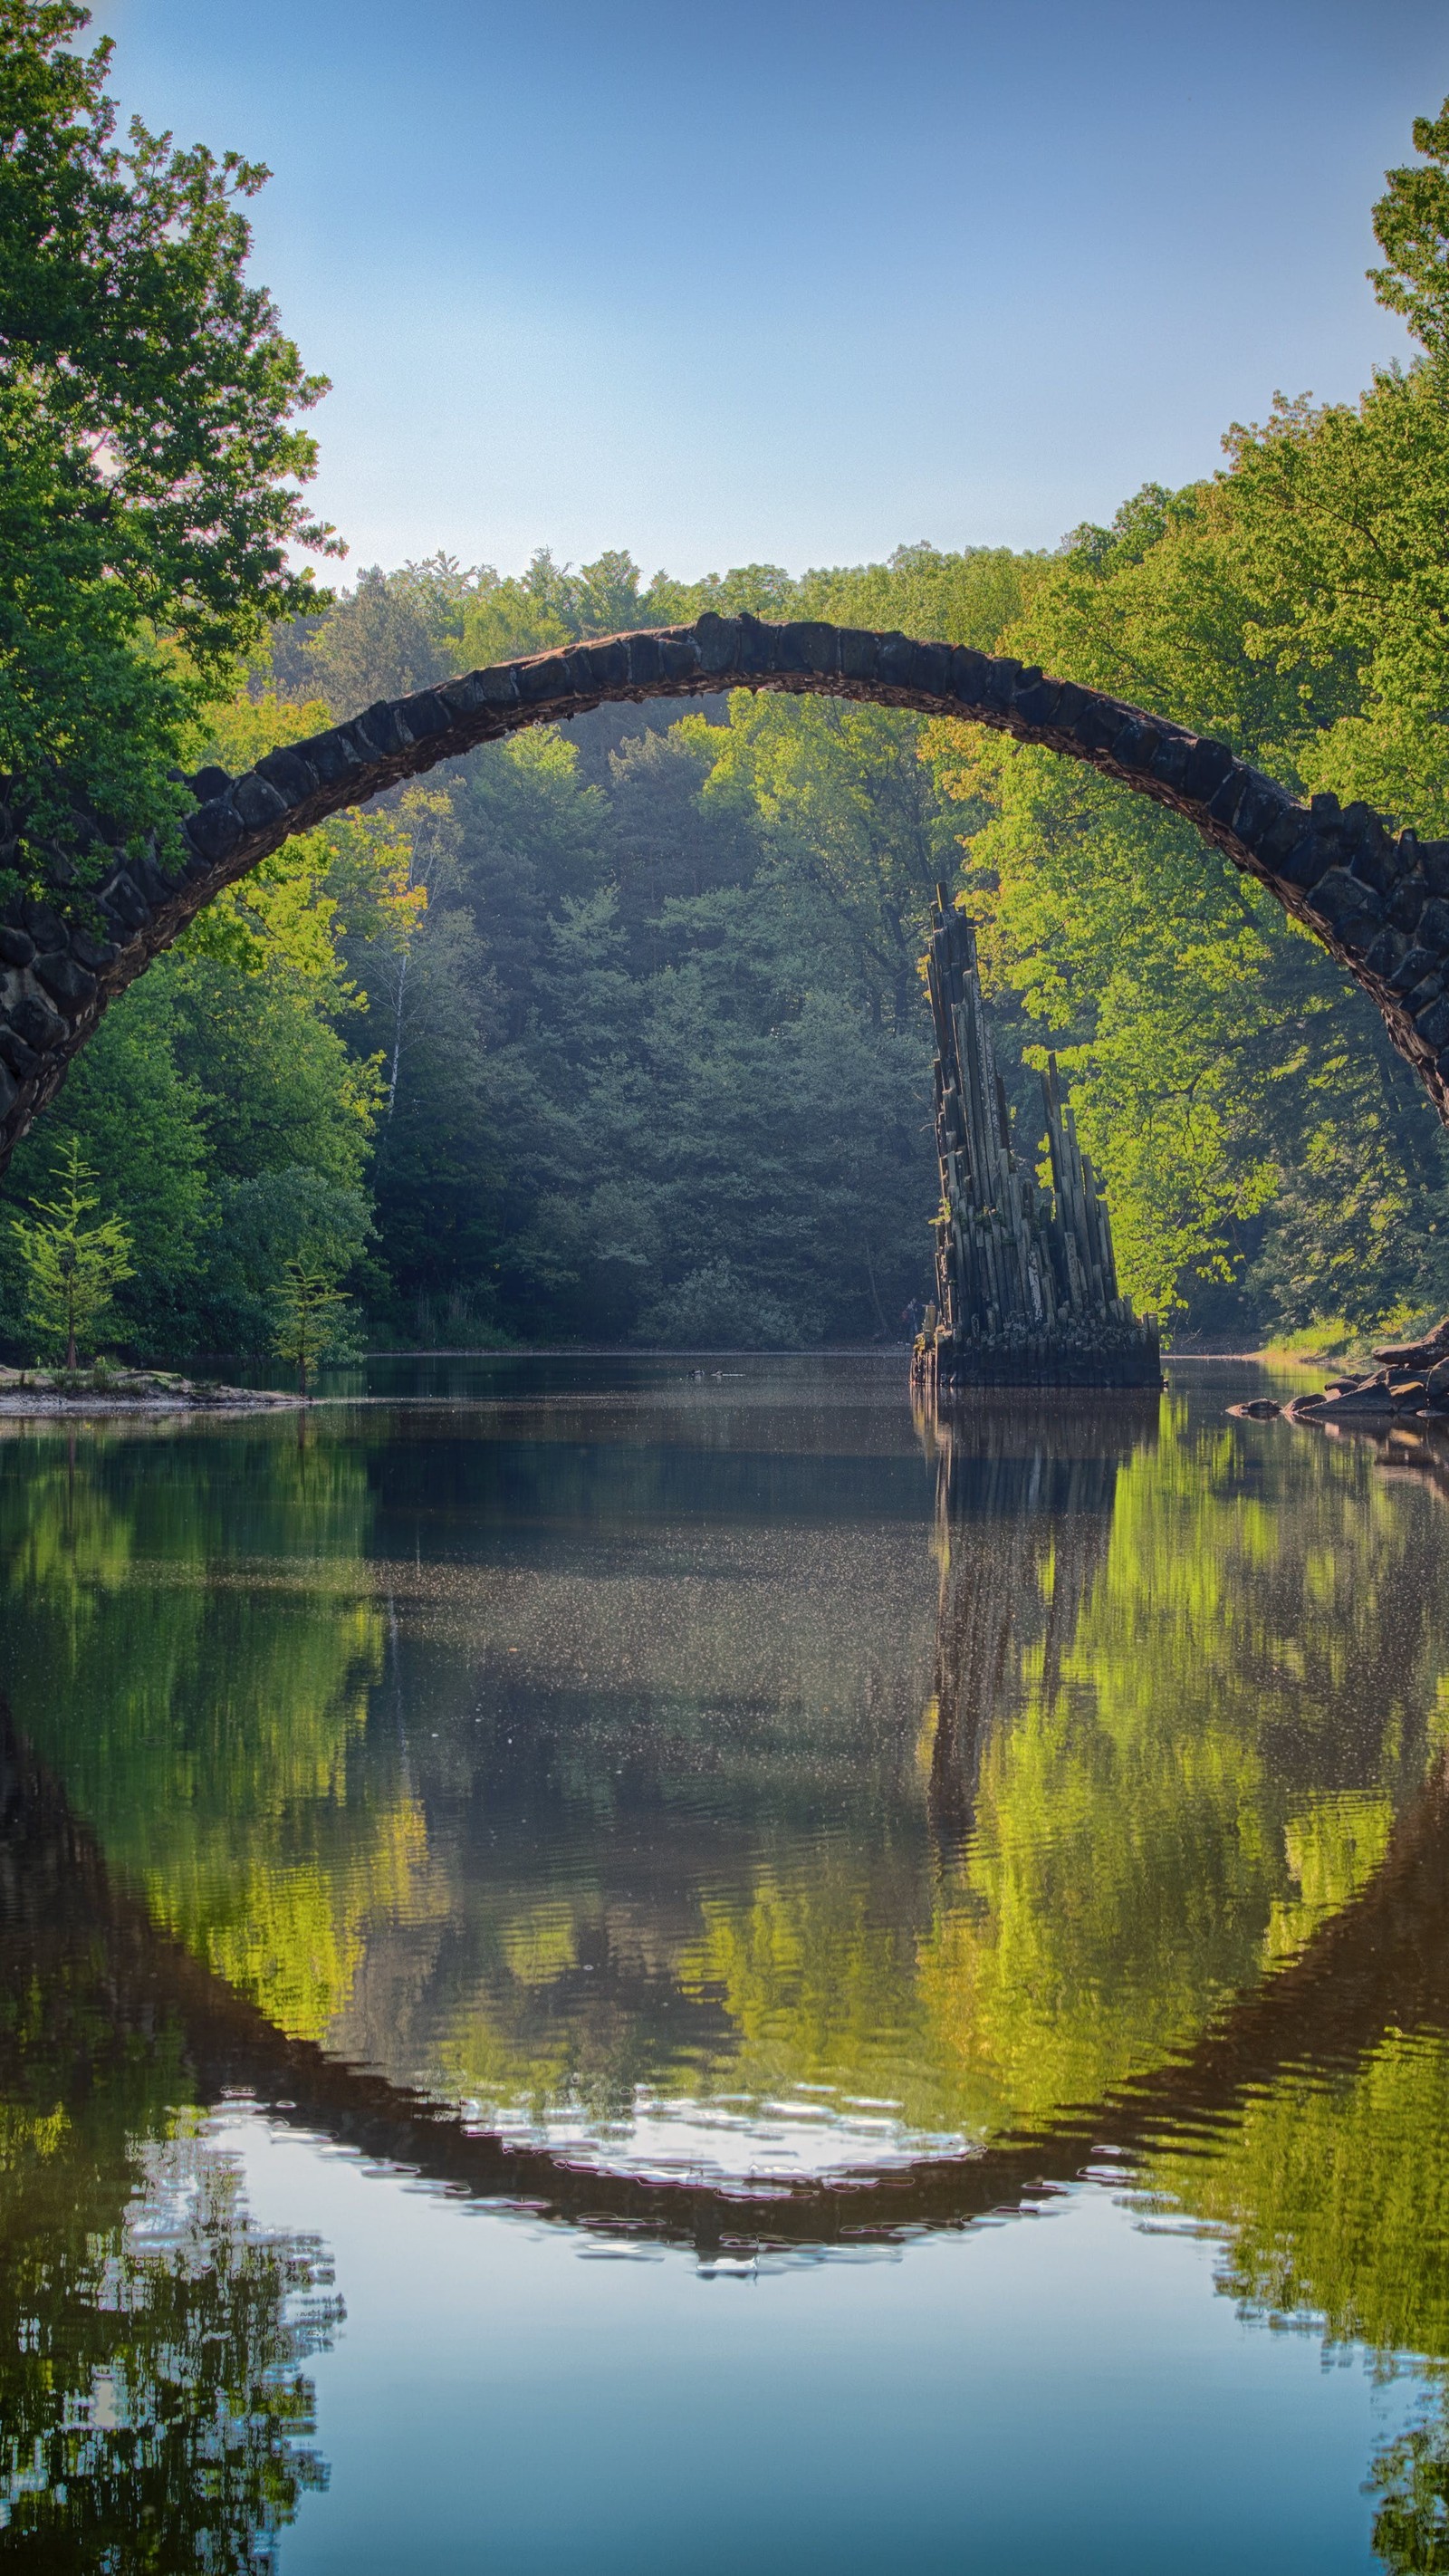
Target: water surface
x=646 y=1963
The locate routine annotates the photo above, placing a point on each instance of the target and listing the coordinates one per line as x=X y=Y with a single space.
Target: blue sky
x=794 y=282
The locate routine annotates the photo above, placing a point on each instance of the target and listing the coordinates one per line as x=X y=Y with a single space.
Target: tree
x=147 y=405
x=72 y=1269
x=1411 y=225
x=307 y=1315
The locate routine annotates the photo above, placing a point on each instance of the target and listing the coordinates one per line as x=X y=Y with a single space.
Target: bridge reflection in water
x=1142 y=1856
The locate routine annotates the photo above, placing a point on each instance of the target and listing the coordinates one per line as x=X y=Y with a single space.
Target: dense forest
x=615 y=1033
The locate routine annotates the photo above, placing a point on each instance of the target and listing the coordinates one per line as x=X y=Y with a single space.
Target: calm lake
x=609 y=1970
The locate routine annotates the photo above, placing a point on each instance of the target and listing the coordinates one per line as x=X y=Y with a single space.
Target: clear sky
x=794 y=280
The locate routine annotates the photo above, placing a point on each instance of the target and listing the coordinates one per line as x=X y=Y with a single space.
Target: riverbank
x=48 y=1392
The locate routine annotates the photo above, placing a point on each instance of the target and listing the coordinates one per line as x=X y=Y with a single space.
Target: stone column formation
x=1026 y=1279
x=1379 y=904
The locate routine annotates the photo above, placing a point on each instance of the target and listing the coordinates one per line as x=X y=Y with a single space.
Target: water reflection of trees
x=1133 y=1880
x=1025 y=1493
x=154 y=2405
x=690 y=1835
x=195 y=1640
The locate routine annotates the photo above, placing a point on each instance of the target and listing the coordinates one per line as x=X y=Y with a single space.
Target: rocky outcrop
x=1380 y=904
x=1026 y=1277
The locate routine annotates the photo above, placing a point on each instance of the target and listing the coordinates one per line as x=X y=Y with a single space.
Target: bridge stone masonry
x=1378 y=903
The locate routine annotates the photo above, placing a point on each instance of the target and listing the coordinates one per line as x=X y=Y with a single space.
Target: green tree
x=309 y=1304
x=1269 y=1158
x=1411 y=224
x=72 y=1269
x=148 y=399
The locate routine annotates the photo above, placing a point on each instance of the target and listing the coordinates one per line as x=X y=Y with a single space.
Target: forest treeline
x=614 y=1032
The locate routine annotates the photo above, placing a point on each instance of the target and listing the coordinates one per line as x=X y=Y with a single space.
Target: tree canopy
x=148 y=407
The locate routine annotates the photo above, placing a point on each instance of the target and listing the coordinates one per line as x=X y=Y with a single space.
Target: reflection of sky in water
x=740 y=2138
x=1063 y=2392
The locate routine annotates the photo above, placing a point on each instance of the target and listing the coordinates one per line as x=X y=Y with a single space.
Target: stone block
x=605 y=664
x=1375 y=857
x=1262 y=806
x=1071 y=708
x=67 y=982
x=1434 y=860
x=9 y=1092
x=808 y=644
x=1209 y=764
x=96 y=954
x=124 y=902
x=1310 y=858
x=895 y=665
x=1136 y=746
x=21 y=1059
x=1001 y=679
x=16 y=946
x=932 y=668
x=214 y=830
x=425 y=715
x=1170 y=759
x=257 y=802
x=645 y=665
x=44 y=924
x=1387 y=953
x=156 y=888
x=860 y=654
x=1285 y=832
x=1433 y=1024
x=209 y=783
x=757 y=646
x=33 y=1019
x=1432 y=929
x=1037 y=700
x=1100 y=723
x=1407 y=902
x=293 y=777
x=465 y=698
x=1223 y=804
x=381 y=729
x=1341 y=900
x=718 y=639
x=679 y=657
x=333 y=755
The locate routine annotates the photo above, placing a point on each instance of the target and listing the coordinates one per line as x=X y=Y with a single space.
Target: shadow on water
x=391 y=1742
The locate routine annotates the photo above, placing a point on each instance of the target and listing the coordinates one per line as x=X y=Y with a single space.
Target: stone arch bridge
x=1379 y=904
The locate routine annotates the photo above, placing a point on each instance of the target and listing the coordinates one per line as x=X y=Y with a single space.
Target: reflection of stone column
x=1024 y=1502
x=1026 y=1278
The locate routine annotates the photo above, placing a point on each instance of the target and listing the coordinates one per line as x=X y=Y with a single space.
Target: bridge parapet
x=1379 y=904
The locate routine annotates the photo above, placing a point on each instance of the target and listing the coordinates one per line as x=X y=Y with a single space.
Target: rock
x=1407 y=1395
x=257 y=802
x=214 y=830
x=1402 y=1357
x=34 y=1021
x=1374 y=1398
x=1261 y=1409
x=66 y=982
x=14 y=1052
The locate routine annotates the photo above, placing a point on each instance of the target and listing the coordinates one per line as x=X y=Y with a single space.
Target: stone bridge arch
x=1378 y=903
